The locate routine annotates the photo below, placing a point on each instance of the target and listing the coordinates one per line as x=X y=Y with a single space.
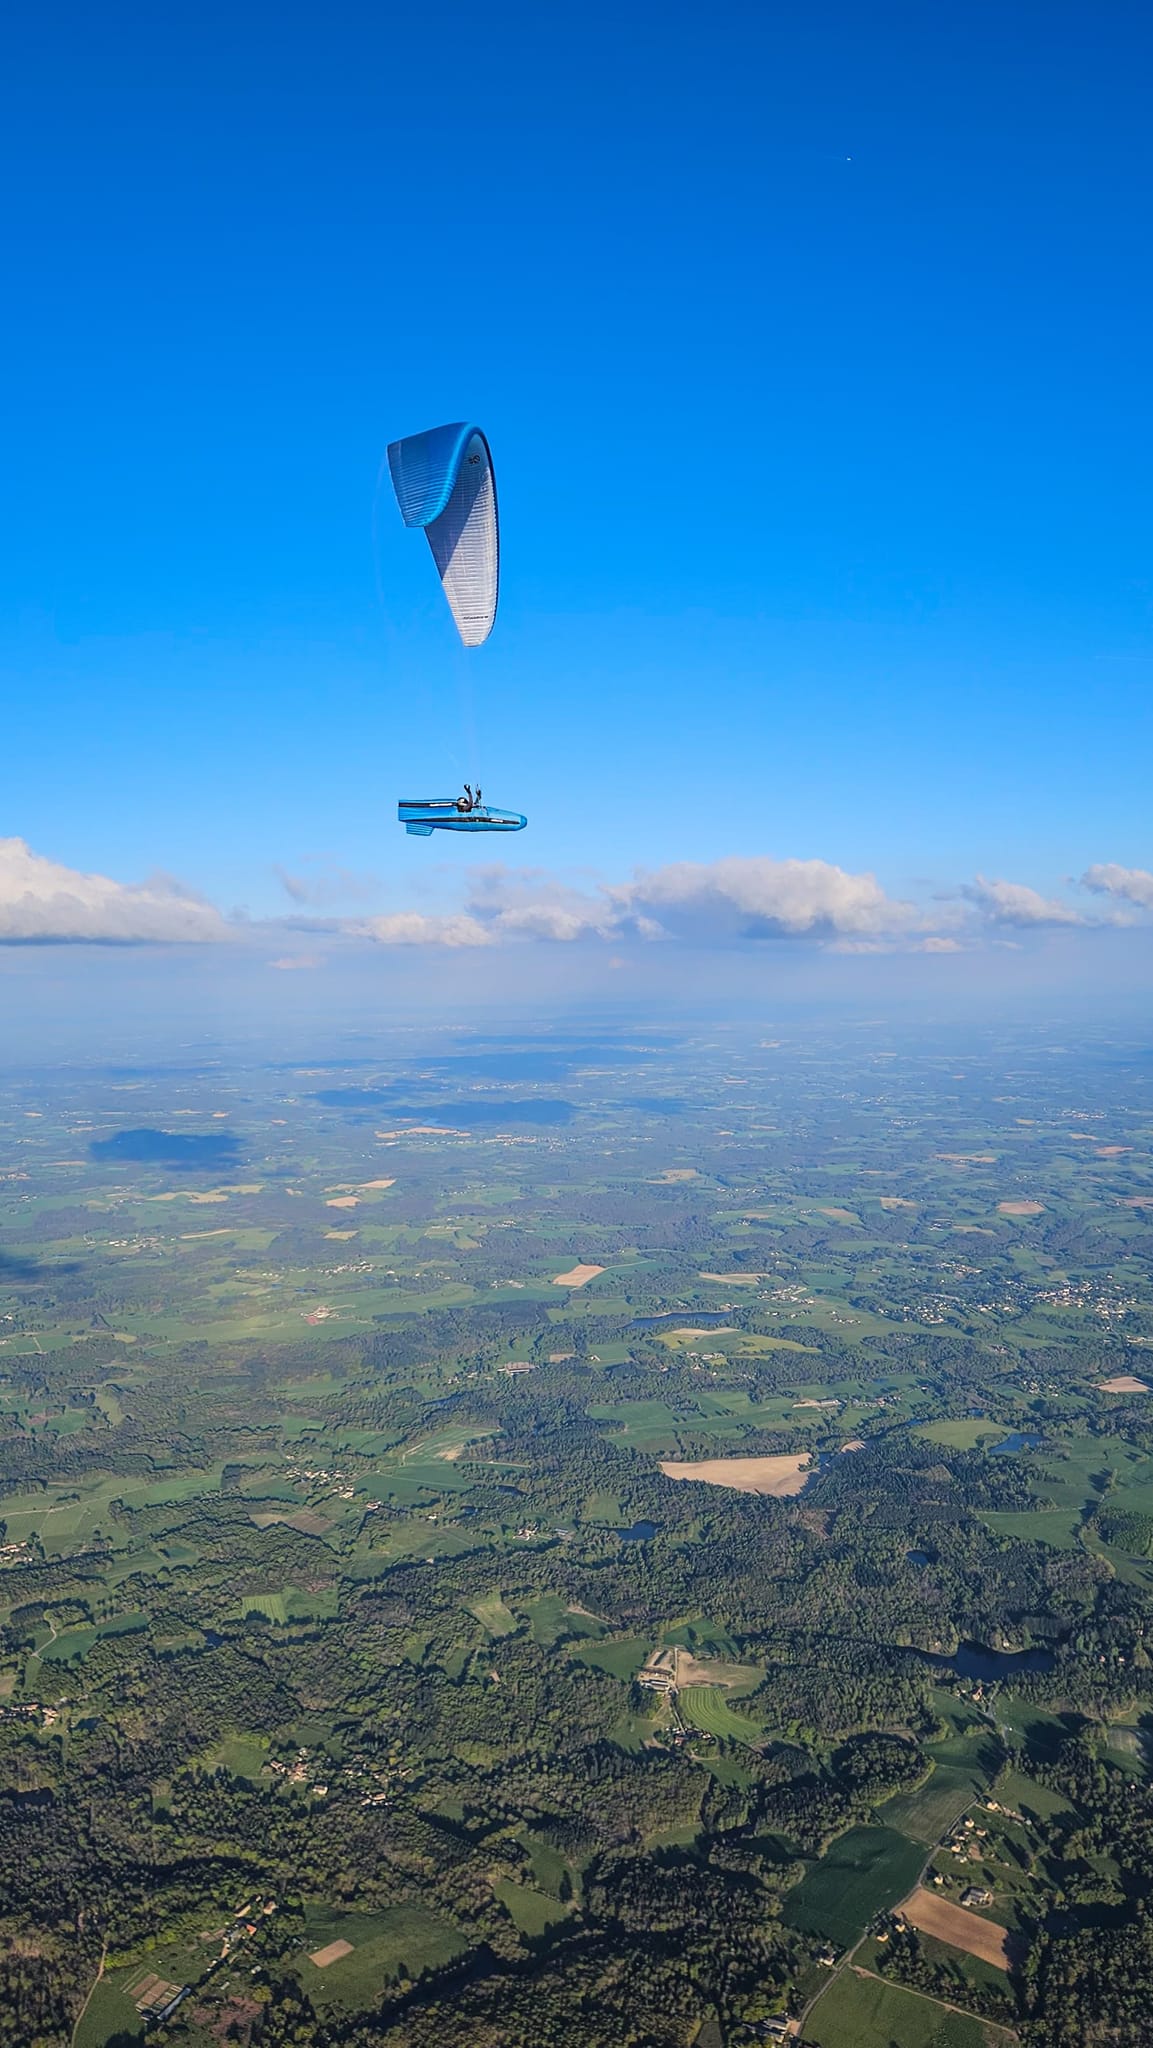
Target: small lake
x=641 y=1532
x=918 y=1558
x=974 y=1661
x=685 y=1318
x=1020 y=1440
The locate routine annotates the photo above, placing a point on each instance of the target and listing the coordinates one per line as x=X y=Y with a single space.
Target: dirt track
x=322 y=1957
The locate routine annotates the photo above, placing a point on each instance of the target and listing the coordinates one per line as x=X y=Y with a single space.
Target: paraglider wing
x=444 y=481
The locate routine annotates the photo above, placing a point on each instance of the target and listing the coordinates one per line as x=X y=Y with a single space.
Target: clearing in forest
x=705 y=1707
x=493 y=1615
x=956 y=1925
x=959 y=1433
x=354 y=1955
x=1122 y=1383
x=305 y=1521
x=780 y=1476
x=690 y=1670
x=529 y=1909
x=689 y=1333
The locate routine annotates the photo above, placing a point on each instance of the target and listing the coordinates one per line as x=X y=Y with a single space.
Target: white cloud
x=413 y=928
x=549 y=921
x=1014 y=903
x=722 y=902
x=42 y=901
x=754 y=897
x=529 y=903
x=1132 y=885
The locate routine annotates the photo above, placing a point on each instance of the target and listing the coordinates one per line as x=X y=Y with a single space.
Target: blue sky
x=813 y=346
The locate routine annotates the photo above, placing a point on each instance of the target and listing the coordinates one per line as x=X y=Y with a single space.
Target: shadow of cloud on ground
x=183 y=1150
x=16 y=1269
x=353 y=1098
x=464 y=1115
x=529 y=1109
x=530 y=1064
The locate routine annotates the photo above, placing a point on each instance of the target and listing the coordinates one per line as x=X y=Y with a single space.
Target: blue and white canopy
x=444 y=481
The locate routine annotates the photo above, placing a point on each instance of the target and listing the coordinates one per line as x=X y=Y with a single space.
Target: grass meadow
x=864 y=1872
x=858 y=2010
x=402 y=1940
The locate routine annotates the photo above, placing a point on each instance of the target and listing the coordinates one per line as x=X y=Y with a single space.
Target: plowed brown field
x=780 y=1475
x=954 y=1924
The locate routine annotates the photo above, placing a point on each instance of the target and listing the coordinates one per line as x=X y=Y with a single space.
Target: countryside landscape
x=631 y=1533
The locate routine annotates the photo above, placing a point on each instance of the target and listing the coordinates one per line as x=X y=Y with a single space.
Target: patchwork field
x=345 y=1500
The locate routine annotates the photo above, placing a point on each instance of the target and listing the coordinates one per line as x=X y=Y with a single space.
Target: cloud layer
x=723 y=902
x=739 y=901
x=754 y=899
x=43 y=902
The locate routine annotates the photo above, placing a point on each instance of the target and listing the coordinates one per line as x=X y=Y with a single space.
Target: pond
x=1019 y=1440
x=918 y=1558
x=641 y=1532
x=974 y=1661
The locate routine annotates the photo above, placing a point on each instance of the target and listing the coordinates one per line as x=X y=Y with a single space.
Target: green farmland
x=863 y=1873
x=402 y=1941
x=705 y=1707
x=863 y=2012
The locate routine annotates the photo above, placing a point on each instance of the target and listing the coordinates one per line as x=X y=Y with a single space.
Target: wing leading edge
x=444 y=482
